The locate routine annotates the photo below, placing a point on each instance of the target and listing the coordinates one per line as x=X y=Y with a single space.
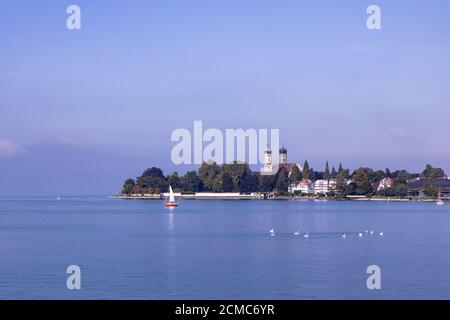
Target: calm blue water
x=221 y=249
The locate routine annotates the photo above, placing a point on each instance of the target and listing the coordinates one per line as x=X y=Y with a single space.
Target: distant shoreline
x=252 y=196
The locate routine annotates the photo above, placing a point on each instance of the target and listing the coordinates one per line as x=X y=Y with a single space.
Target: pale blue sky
x=80 y=111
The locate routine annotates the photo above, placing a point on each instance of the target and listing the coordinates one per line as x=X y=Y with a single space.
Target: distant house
x=324 y=186
x=417 y=187
x=303 y=186
x=385 y=183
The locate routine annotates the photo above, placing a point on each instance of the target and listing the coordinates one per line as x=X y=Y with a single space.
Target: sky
x=82 y=110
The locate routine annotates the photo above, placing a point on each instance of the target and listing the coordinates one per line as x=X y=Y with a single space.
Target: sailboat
x=171 y=202
x=439 y=201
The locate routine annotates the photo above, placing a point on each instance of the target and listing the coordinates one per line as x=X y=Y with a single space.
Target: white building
x=385 y=184
x=268 y=168
x=324 y=186
x=304 y=186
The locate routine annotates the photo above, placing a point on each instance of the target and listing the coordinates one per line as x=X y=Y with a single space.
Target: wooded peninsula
x=294 y=181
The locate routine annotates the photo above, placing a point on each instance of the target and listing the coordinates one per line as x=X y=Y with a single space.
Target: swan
x=371 y=231
x=272 y=232
x=297 y=233
x=360 y=234
x=381 y=233
x=344 y=236
x=306 y=235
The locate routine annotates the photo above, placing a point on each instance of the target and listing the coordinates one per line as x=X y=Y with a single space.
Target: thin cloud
x=398 y=132
x=9 y=148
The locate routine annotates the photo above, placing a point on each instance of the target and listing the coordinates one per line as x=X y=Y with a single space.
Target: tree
x=403 y=175
x=227 y=182
x=295 y=175
x=433 y=173
x=388 y=173
x=209 y=174
x=217 y=186
x=282 y=181
x=377 y=176
x=372 y=176
x=315 y=175
x=192 y=182
x=128 y=187
x=238 y=173
x=340 y=168
x=387 y=192
x=306 y=170
x=400 y=189
x=341 y=182
x=431 y=191
x=267 y=183
x=175 y=181
x=362 y=180
x=327 y=174
x=138 y=190
x=153 y=172
x=345 y=173
x=333 y=173
x=153 y=180
x=250 y=183
x=350 y=189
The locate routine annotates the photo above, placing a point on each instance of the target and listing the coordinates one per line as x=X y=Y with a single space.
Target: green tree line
x=238 y=177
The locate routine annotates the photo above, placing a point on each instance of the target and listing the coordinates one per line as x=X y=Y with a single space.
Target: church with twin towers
x=271 y=167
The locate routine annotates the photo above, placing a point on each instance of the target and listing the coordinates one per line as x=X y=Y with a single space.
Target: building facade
x=324 y=186
x=385 y=183
x=417 y=187
x=304 y=186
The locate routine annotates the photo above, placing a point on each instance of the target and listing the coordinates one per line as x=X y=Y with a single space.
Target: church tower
x=283 y=155
x=267 y=160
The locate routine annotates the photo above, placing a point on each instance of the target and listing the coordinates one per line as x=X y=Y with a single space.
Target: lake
x=128 y=249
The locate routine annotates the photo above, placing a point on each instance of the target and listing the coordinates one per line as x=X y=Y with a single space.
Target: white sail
x=171 y=195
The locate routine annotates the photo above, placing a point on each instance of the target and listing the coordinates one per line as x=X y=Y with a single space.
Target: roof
x=288 y=166
x=420 y=184
x=305 y=182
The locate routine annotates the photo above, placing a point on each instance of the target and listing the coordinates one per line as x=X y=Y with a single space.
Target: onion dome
x=267 y=150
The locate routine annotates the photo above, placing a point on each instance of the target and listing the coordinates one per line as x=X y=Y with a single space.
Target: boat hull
x=169 y=205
